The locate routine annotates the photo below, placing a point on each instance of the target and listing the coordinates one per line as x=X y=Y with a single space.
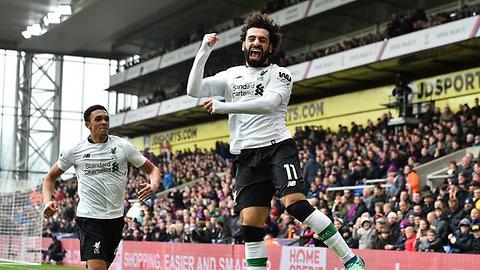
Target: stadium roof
x=96 y=25
x=119 y=28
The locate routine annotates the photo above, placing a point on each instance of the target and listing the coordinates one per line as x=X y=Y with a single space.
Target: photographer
x=55 y=252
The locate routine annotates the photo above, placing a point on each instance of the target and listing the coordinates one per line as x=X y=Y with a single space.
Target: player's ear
x=243 y=46
x=87 y=124
x=270 y=48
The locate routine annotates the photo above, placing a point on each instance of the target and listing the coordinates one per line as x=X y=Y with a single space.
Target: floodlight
x=26 y=34
x=64 y=10
x=35 y=30
x=53 y=17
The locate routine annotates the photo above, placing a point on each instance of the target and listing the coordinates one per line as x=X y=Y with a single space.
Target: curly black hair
x=262 y=20
x=89 y=110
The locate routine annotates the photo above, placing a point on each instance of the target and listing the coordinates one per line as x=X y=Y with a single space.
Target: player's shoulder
x=278 y=68
x=118 y=140
x=281 y=73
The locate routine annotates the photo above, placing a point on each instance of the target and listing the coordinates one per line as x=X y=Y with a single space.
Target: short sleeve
x=281 y=83
x=133 y=155
x=66 y=159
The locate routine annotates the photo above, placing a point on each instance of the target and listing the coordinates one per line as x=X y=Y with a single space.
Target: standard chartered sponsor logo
x=243 y=93
x=245 y=89
x=244 y=86
x=100 y=167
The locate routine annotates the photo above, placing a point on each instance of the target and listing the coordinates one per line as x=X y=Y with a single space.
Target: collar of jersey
x=90 y=140
x=261 y=66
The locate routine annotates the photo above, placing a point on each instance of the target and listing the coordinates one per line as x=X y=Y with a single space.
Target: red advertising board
x=174 y=256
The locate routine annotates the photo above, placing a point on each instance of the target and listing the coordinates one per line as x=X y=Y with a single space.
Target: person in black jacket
x=383 y=240
x=461 y=240
x=55 y=252
x=434 y=243
x=475 y=247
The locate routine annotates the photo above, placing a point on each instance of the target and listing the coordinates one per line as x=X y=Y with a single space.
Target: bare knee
x=292 y=198
x=254 y=216
x=96 y=265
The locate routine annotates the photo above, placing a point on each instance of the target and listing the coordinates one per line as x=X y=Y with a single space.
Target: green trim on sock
x=327 y=232
x=257 y=262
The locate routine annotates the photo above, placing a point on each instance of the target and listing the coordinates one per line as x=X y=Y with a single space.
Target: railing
x=375 y=181
x=333 y=189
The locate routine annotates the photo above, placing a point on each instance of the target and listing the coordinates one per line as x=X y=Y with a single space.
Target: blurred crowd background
x=397 y=213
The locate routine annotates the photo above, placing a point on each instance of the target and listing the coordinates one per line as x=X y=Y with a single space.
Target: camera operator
x=403 y=95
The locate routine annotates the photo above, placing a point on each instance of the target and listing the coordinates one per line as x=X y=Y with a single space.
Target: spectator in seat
x=393 y=225
x=474 y=217
x=413 y=179
x=160 y=234
x=441 y=225
x=427 y=202
x=378 y=197
x=461 y=240
x=475 y=248
x=397 y=181
x=364 y=232
x=410 y=237
x=356 y=209
x=421 y=243
x=384 y=240
x=434 y=243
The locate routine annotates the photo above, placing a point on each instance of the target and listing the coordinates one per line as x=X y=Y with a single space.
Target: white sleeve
x=133 y=155
x=262 y=105
x=280 y=83
x=208 y=87
x=66 y=159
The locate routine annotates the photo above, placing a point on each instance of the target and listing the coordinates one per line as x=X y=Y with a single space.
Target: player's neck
x=97 y=138
x=266 y=64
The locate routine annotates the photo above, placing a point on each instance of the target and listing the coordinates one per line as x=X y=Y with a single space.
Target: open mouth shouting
x=255 y=54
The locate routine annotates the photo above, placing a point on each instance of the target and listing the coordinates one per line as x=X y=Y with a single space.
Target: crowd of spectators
x=405 y=216
x=413 y=20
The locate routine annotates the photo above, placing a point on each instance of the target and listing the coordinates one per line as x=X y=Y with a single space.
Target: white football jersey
x=242 y=83
x=101 y=170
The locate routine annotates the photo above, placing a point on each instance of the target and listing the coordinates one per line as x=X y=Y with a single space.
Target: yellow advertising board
x=202 y=136
x=448 y=86
x=342 y=109
x=453 y=89
x=344 y=105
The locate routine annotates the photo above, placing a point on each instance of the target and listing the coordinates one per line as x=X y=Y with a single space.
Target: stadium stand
x=389 y=184
x=404 y=216
x=399 y=24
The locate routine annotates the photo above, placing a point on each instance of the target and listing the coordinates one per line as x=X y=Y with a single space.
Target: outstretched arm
x=197 y=86
x=263 y=105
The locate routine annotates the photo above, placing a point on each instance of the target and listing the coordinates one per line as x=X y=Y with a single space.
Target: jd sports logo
x=285 y=76
x=259 y=90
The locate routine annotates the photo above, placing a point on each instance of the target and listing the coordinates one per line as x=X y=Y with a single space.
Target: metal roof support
x=38 y=102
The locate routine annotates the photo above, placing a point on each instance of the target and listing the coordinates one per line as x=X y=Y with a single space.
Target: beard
x=262 y=59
